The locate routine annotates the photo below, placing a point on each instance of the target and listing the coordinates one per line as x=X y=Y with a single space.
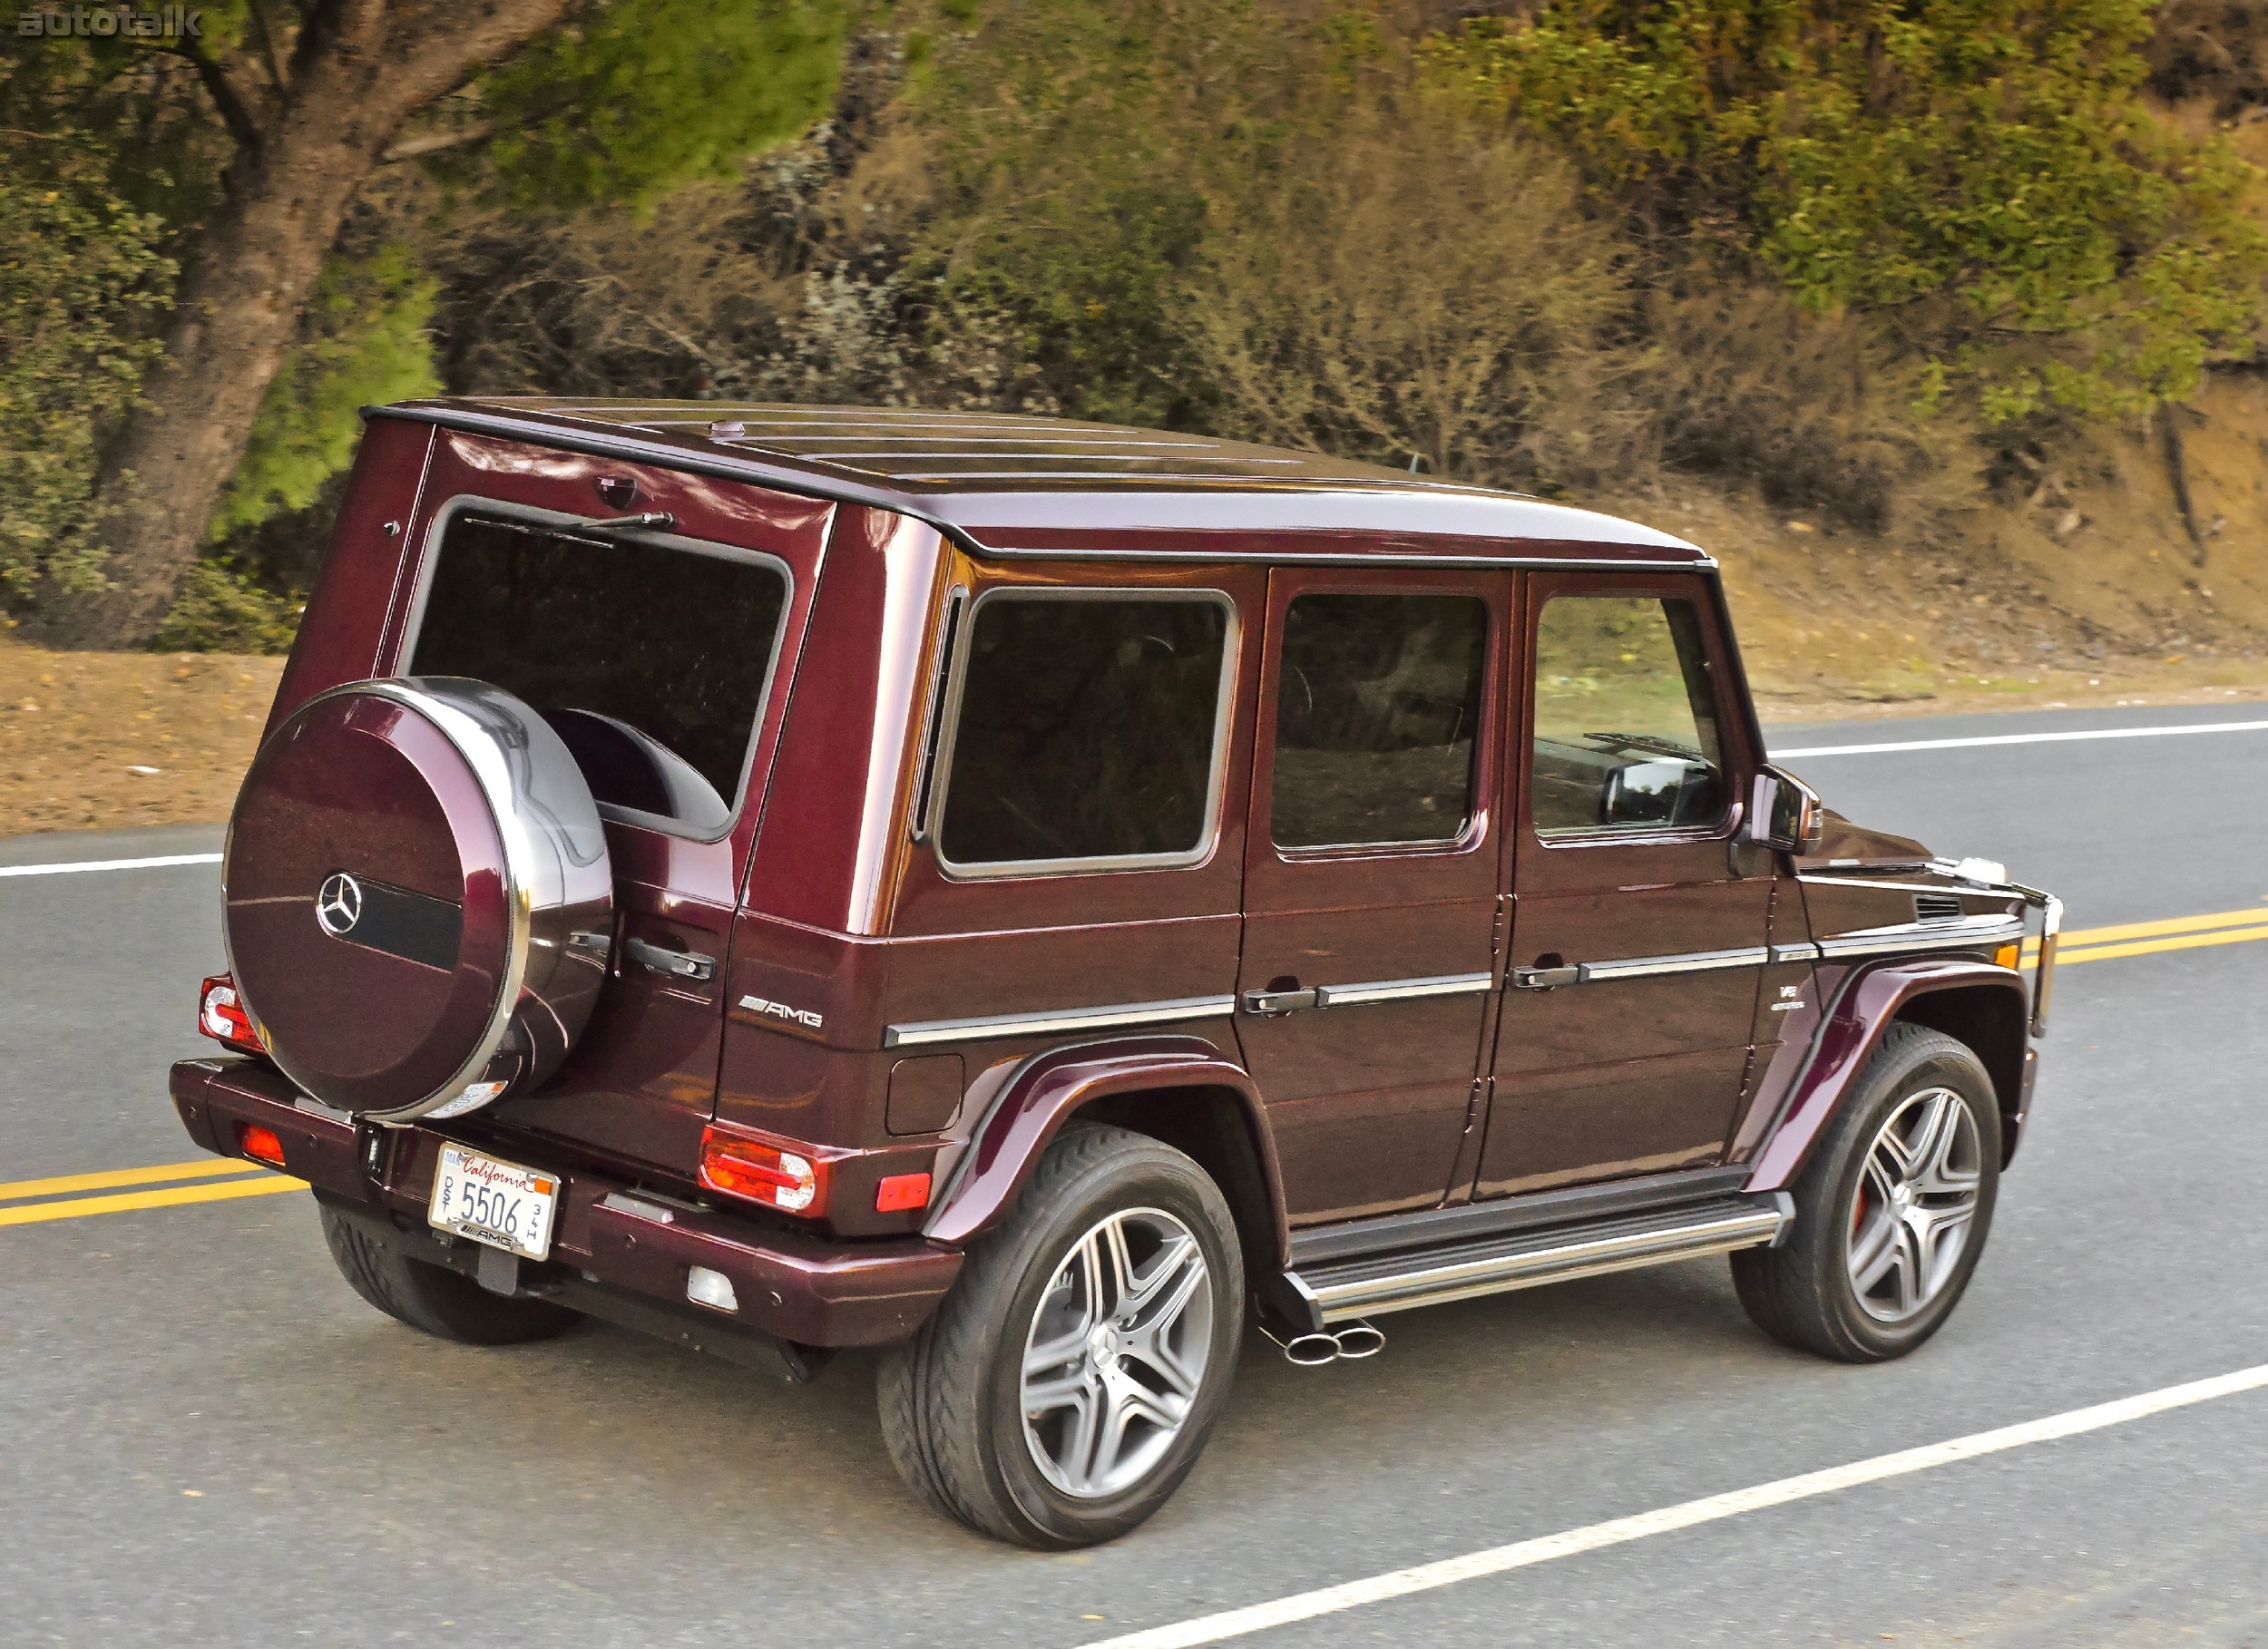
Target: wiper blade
x=1649 y=742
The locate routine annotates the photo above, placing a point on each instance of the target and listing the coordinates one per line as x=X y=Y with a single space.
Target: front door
x=1637 y=941
x=1371 y=879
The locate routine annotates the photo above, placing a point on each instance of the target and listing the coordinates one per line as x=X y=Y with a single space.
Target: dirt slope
x=108 y=740
x=2090 y=591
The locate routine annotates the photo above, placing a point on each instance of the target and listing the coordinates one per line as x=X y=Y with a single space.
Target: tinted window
x=1086 y=730
x=651 y=661
x=1378 y=700
x=1626 y=725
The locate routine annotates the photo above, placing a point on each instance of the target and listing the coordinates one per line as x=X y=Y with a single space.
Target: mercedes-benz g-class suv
x=1039 y=897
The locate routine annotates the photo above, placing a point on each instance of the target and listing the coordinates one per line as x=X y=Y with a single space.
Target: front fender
x=1032 y=1099
x=1869 y=1002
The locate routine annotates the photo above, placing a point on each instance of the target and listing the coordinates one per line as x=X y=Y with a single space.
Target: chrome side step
x=1526 y=1259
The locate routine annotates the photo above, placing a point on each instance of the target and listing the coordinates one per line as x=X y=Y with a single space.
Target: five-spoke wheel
x=1890 y=1210
x=1068 y=1381
x=1916 y=1201
x=1117 y=1353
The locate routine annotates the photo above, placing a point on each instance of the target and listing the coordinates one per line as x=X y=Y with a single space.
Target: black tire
x=1803 y=1294
x=436 y=1300
x=953 y=1398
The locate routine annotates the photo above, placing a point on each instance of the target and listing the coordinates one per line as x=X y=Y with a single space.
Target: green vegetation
x=1869 y=259
x=79 y=275
x=1986 y=167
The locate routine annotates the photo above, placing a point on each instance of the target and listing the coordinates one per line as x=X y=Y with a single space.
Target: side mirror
x=1784 y=813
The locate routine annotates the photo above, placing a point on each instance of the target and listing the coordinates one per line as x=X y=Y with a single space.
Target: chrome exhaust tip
x=1309 y=1350
x=1360 y=1339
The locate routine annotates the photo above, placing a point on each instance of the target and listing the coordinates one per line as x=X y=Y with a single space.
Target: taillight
x=222 y=1018
x=782 y=1174
x=259 y=1144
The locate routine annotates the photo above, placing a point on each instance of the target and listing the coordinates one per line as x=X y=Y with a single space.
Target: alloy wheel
x=1117 y=1353
x=1914 y=1205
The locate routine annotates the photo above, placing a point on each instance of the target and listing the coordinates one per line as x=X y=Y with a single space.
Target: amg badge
x=781 y=1010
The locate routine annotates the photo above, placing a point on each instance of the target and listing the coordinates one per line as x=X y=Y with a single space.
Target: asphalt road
x=205 y=1437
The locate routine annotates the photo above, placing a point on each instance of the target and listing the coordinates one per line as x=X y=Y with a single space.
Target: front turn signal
x=778 y=1173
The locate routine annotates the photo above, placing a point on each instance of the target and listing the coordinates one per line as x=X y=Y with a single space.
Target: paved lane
x=203 y=1435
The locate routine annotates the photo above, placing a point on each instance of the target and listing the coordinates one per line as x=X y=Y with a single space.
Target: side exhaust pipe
x=1352 y=1342
x=1360 y=1339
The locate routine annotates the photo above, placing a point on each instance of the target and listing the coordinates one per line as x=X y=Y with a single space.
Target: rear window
x=651 y=658
x=1087 y=731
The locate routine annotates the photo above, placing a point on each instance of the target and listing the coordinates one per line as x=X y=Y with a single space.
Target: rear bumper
x=616 y=1253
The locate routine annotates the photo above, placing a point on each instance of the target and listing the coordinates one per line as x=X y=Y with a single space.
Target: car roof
x=1007 y=484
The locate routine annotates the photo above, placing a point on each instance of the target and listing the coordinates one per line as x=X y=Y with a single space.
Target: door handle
x=1547 y=978
x=1271 y=1003
x=678 y=964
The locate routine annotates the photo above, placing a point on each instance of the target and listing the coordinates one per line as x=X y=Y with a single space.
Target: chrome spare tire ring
x=1117 y=1353
x=1914 y=1204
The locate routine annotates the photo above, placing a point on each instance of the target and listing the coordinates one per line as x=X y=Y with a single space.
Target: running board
x=1525 y=1259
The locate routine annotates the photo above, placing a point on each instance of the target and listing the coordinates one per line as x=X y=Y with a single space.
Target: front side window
x=1625 y=725
x=651 y=660
x=1377 y=709
x=1088 y=729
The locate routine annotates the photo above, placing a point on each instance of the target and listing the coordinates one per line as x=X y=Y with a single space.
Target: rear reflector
x=792 y=1178
x=259 y=1144
x=899 y=1191
x=712 y=1288
x=222 y=1018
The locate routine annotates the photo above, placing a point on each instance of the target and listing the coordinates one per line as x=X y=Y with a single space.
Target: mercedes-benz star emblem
x=339 y=904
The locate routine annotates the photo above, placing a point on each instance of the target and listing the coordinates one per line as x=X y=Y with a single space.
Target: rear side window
x=1088 y=730
x=1625 y=725
x=1377 y=706
x=651 y=659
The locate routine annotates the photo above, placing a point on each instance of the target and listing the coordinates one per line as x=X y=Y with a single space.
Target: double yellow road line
x=2145 y=938
x=169 y=1184
x=27 y=1202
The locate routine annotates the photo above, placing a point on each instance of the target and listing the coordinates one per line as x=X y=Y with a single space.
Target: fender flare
x=1032 y=1098
x=1863 y=1011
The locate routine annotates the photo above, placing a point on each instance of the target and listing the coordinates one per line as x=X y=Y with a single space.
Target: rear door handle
x=1271 y=1002
x=678 y=964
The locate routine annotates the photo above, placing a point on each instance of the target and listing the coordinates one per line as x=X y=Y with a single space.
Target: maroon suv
x=1031 y=895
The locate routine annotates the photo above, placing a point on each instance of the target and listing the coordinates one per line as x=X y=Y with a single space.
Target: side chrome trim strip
x=1804 y=953
x=1690 y=962
x=1969 y=934
x=923 y=1033
x=1576 y=1256
x=1402 y=990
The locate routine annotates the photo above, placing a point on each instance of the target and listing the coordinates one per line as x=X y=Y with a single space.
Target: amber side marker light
x=2008 y=955
x=259 y=1144
x=782 y=1174
x=222 y=1017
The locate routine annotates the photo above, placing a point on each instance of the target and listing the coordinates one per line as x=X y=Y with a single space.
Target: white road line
x=1449 y=1571
x=107 y=865
x=2024 y=739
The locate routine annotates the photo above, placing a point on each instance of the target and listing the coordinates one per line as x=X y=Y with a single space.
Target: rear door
x=1371 y=879
x=1639 y=938
x=661 y=656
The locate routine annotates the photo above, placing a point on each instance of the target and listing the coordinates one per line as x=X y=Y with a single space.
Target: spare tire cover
x=416 y=897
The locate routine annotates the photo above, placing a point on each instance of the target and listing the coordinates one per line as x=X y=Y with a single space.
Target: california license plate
x=500 y=1204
